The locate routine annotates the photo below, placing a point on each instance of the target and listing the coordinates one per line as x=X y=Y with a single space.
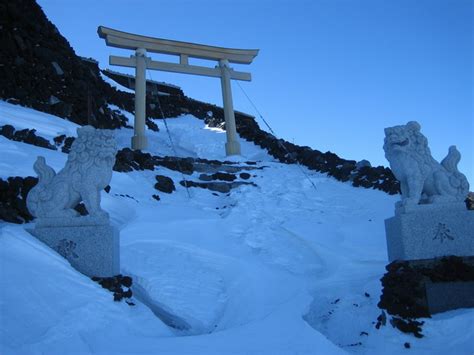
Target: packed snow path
x=274 y=269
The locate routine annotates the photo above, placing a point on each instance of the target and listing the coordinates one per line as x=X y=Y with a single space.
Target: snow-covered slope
x=277 y=268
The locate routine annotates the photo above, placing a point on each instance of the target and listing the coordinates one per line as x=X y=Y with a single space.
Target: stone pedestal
x=420 y=288
x=445 y=296
x=92 y=250
x=430 y=231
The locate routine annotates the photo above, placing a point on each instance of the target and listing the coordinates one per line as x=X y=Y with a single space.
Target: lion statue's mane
x=88 y=170
x=422 y=179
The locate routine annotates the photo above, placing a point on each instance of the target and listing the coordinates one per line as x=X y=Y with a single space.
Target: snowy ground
x=275 y=269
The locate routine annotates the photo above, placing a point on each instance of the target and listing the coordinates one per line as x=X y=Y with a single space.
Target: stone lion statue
x=422 y=179
x=88 y=170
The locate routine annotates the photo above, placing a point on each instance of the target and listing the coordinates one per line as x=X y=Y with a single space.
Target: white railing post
x=232 y=147
x=139 y=140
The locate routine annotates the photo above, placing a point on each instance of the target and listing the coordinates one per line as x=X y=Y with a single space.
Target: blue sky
x=331 y=74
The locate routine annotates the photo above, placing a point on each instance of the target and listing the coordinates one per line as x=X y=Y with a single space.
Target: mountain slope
x=276 y=268
x=40 y=69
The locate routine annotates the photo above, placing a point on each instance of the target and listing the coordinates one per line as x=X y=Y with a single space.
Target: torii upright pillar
x=185 y=50
x=139 y=140
x=232 y=147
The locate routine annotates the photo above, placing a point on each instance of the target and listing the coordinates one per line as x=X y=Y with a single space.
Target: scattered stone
x=59 y=140
x=355 y=344
x=114 y=284
x=7 y=131
x=156 y=197
x=126 y=281
x=183 y=165
x=244 y=176
x=81 y=208
x=213 y=186
x=151 y=125
x=381 y=320
x=53 y=100
x=164 y=184
x=205 y=177
x=57 y=68
x=223 y=176
x=222 y=187
x=27 y=136
x=66 y=148
x=128 y=160
x=127 y=196
x=407 y=326
x=217 y=176
x=363 y=163
x=407 y=345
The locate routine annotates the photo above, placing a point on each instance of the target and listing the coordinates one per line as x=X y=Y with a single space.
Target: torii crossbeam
x=142 y=44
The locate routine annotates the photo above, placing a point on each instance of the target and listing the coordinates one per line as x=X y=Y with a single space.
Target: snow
x=191 y=138
x=256 y=271
x=46 y=125
x=114 y=84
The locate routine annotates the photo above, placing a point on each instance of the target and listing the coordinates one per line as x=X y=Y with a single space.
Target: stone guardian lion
x=422 y=179
x=88 y=170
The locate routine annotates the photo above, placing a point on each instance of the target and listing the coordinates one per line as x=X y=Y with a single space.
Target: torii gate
x=185 y=50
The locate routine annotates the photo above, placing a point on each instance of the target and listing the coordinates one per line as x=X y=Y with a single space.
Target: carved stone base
x=445 y=296
x=430 y=233
x=91 y=250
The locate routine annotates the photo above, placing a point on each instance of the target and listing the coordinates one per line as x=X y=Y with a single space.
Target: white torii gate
x=185 y=50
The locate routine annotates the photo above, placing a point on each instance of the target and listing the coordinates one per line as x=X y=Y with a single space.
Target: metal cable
x=273 y=133
x=173 y=148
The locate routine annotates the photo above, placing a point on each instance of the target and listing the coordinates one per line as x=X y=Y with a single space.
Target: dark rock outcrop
x=218 y=176
x=128 y=160
x=116 y=285
x=39 y=69
x=13 y=192
x=27 y=136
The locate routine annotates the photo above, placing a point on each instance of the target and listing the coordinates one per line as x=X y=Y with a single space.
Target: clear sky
x=331 y=74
